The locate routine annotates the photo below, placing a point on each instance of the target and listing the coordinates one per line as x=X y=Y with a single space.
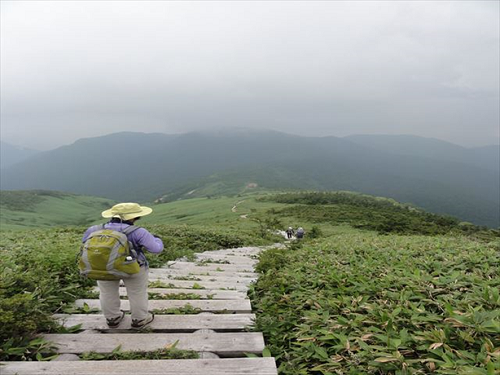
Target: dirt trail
x=234 y=209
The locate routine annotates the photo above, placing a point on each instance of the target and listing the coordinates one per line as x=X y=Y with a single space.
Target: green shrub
x=118 y=355
x=362 y=303
x=39 y=276
x=315 y=232
x=366 y=212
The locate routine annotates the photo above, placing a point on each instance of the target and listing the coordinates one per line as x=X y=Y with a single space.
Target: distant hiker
x=289 y=232
x=108 y=241
x=300 y=232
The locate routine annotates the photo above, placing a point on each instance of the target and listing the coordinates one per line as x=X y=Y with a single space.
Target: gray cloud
x=86 y=68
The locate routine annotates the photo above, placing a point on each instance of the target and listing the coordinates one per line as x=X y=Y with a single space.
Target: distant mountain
x=487 y=156
x=484 y=157
x=10 y=154
x=138 y=166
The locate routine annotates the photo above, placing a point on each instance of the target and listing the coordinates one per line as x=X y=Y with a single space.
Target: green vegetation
x=360 y=303
x=443 y=180
x=117 y=354
x=373 y=213
x=38 y=277
x=186 y=278
x=43 y=208
x=184 y=241
x=177 y=296
x=376 y=287
x=184 y=310
x=161 y=284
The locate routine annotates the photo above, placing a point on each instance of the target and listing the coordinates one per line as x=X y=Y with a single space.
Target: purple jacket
x=140 y=238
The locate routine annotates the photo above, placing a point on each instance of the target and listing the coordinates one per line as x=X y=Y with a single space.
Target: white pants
x=137 y=292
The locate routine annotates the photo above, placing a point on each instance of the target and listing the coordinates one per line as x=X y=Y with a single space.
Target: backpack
x=108 y=255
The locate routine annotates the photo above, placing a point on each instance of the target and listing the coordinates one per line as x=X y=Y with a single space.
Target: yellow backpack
x=108 y=255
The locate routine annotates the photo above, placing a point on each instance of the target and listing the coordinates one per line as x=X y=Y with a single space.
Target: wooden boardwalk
x=220 y=331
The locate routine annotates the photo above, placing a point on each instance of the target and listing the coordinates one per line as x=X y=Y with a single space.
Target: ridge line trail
x=234 y=209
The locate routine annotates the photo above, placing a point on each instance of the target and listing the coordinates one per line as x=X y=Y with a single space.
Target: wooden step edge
x=236 y=306
x=238 y=366
x=163 y=323
x=223 y=344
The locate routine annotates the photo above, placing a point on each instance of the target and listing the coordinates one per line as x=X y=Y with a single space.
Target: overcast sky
x=73 y=69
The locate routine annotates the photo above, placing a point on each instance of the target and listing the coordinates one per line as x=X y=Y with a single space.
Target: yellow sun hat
x=127 y=211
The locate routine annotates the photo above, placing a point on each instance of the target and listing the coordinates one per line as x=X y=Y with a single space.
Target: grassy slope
x=310 y=288
x=25 y=210
x=203 y=211
x=360 y=303
x=75 y=210
x=38 y=276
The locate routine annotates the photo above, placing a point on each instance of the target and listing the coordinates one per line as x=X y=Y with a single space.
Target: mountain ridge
x=144 y=166
x=11 y=154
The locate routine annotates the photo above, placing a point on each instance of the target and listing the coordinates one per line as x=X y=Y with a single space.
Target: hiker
x=300 y=232
x=289 y=232
x=123 y=217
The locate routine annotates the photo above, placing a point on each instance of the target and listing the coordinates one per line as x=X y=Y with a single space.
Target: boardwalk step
x=203 y=272
x=229 y=306
x=203 y=293
x=251 y=255
x=200 y=278
x=235 y=260
x=222 y=344
x=240 y=366
x=184 y=284
x=224 y=275
x=239 y=250
x=209 y=267
x=164 y=323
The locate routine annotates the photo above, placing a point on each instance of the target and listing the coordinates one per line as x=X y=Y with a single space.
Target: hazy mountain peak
x=152 y=164
x=230 y=131
x=11 y=154
x=402 y=139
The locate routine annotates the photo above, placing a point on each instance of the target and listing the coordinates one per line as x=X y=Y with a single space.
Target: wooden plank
x=164 y=323
x=236 y=366
x=203 y=293
x=209 y=266
x=250 y=254
x=241 y=306
x=203 y=272
x=222 y=344
x=246 y=249
x=236 y=260
x=243 y=256
x=197 y=284
x=201 y=278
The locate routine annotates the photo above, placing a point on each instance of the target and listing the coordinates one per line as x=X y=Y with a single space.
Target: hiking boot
x=138 y=324
x=115 y=322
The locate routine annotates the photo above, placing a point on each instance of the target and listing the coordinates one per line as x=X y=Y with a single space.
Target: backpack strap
x=128 y=230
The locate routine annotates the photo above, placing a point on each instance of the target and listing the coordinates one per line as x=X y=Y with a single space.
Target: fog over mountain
x=12 y=154
x=75 y=69
x=435 y=175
